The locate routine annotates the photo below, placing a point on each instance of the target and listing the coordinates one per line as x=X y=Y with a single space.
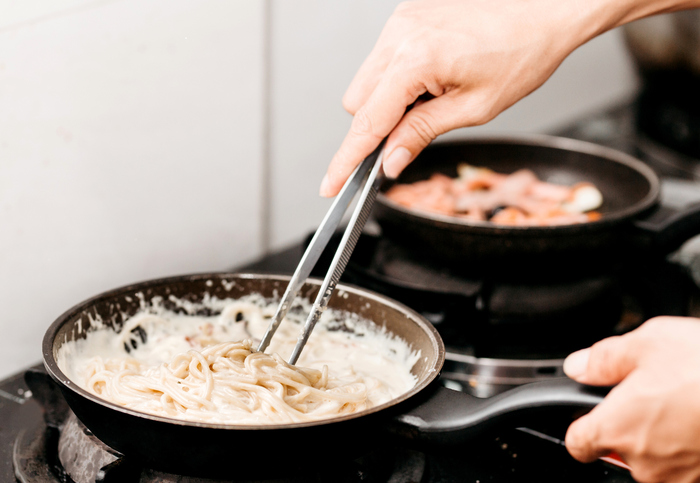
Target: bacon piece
x=479 y=191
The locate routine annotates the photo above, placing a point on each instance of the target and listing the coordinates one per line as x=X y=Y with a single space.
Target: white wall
x=317 y=46
x=132 y=136
x=130 y=148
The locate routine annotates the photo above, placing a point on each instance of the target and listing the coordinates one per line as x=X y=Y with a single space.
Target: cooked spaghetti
x=198 y=368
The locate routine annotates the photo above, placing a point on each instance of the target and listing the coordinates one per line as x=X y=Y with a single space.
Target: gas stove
x=499 y=332
x=43 y=442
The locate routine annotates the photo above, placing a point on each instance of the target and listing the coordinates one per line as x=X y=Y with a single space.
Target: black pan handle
x=666 y=229
x=453 y=417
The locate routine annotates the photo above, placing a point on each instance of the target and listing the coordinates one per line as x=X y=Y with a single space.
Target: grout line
x=266 y=161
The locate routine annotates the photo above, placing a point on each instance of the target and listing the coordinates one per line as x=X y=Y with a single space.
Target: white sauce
x=354 y=350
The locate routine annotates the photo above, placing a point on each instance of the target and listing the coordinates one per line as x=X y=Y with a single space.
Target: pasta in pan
x=206 y=368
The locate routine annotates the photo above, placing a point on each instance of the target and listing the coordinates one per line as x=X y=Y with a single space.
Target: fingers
x=370 y=72
x=639 y=418
x=372 y=123
x=583 y=439
x=366 y=79
x=610 y=426
x=420 y=126
x=606 y=362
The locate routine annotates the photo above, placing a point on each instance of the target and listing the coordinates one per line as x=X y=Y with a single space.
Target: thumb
x=583 y=439
x=606 y=362
x=418 y=127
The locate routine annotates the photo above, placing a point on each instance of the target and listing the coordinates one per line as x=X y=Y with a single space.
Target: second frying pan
x=631 y=215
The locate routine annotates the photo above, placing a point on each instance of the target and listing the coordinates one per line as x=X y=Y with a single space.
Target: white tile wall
x=132 y=136
x=130 y=148
x=317 y=47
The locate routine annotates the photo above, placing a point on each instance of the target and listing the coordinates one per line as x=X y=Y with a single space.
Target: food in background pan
x=517 y=199
x=205 y=368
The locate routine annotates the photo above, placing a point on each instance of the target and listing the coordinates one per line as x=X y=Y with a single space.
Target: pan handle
x=665 y=229
x=453 y=417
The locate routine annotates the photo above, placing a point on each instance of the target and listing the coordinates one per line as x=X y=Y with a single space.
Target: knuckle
x=423 y=127
x=403 y=9
x=349 y=103
x=362 y=124
x=415 y=53
x=602 y=357
x=655 y=324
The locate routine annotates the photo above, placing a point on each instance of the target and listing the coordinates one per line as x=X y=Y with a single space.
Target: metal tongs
x=360 y=179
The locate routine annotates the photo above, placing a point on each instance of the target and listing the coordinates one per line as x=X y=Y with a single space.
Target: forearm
x=599 y=16
x=474 y=57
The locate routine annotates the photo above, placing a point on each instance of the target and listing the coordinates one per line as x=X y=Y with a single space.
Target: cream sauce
x=359 y=357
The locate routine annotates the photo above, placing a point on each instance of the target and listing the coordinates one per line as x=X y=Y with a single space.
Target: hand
x=474 y=58
x=652 y=417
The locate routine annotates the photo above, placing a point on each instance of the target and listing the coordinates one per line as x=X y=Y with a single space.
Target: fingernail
x=325 y=186
x=397 y=161
x=576 y=364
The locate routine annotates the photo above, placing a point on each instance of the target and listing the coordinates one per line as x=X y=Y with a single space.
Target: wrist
x=598 y=16
x=581 y=20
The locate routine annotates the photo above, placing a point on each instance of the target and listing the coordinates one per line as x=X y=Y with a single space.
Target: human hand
x=652 y=417
x=476 y=57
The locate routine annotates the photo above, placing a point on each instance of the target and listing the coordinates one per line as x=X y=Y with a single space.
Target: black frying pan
x=428 y=413
x=631 y=216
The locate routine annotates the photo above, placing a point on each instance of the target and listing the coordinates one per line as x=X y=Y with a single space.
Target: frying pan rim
x=51 y=364
x=547 y=141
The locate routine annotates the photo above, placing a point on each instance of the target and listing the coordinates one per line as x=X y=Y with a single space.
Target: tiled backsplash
x=132 y=136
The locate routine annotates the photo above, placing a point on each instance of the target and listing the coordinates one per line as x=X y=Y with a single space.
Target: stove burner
x=491 y=316
x=504 y=331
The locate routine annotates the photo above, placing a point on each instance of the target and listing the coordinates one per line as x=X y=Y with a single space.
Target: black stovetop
x=510 y=456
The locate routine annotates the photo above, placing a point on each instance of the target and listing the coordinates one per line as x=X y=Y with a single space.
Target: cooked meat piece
x=517 y=199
